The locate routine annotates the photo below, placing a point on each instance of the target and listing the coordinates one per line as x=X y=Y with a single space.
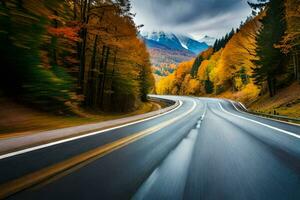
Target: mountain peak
x=175 y=41
x=208 y=40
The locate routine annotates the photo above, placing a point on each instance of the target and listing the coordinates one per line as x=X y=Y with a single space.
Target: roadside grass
x=285 y=103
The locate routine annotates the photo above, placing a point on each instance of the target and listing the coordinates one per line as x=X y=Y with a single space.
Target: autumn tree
x=64 y=52
x=117 y=72
x=227 y=71
x=31 y=74
x=205 y=55
x=236 y=56
x=146 y=78
x=196 y=66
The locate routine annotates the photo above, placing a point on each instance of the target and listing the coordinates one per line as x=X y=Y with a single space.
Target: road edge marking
x=204 y=113
x=268 y=118
x=266 y=125
x=34 y=148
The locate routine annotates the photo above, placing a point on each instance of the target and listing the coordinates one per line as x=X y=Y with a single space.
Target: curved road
x=204 y=149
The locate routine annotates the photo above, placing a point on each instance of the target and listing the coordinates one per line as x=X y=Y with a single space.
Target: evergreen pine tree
x=196 y=66
x=270 y=59
x=221 y=43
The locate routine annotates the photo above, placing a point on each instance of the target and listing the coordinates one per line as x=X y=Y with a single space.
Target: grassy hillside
x=286 y=102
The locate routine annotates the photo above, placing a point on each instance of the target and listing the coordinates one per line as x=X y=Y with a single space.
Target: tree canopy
x=62 y=52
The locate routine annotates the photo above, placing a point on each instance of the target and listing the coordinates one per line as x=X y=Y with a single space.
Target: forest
x=59 y=54
x=260 y=58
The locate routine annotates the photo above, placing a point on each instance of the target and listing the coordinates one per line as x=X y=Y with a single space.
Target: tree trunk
x=83 y=10
x=85 y=21
x=112 y=80
x=75 y=9
x=272 y=86
x=297 y=67
x=93 y=73
x=104 y=77
x=100 y=75
x=82 y=59
x=53 y=61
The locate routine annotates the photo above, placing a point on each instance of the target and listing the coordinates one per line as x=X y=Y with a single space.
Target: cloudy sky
x=195 y=17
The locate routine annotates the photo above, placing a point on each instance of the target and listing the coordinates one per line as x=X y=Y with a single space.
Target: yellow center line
x=83 y=159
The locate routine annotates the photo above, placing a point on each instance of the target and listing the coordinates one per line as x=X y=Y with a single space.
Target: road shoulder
x=11 y=144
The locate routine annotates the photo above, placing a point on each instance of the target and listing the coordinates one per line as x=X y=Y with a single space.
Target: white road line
x=198 y=124
x=202 y=117
x=235 y=106
x=266 y=125
x=175 y=165
x=243 y=106
x=189 y=111
x=204 y=113
x=85 y=135
x=268 y=118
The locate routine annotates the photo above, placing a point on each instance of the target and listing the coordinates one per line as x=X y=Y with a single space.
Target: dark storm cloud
x=190 y=10
x=190 y=15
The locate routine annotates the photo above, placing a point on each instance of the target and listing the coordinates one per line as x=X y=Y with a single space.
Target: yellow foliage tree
x=235 y=60
x=227 y=70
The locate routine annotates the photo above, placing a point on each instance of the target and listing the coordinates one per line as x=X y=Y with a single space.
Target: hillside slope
x=286 y=102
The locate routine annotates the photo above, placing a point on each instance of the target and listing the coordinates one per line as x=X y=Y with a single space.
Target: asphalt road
x=205 y=149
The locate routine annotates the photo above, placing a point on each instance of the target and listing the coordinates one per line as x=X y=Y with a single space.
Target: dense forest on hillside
x=261 y=57
x=57 y=54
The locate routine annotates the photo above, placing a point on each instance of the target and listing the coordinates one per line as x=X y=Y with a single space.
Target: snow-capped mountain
x=174 y=41
x=191 y=44
x=208 y=40
x=168 y=40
